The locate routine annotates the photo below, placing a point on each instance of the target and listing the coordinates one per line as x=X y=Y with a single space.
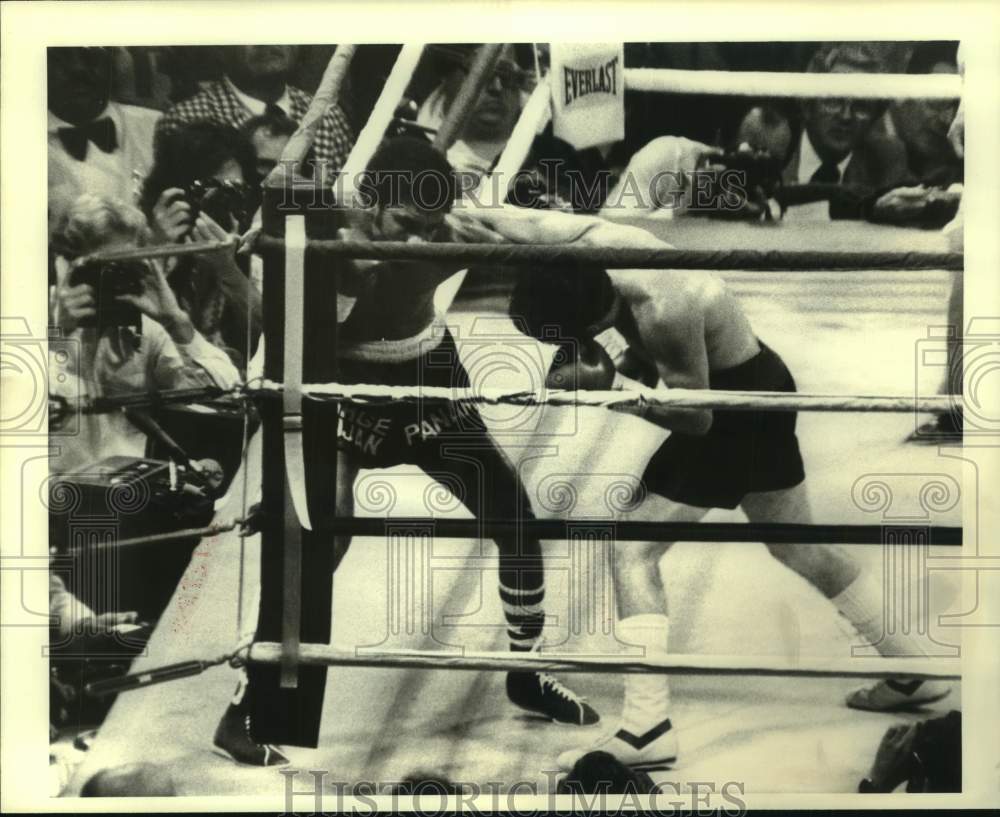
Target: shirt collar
x=111 y=111
x=810 y=161
x=257 y=106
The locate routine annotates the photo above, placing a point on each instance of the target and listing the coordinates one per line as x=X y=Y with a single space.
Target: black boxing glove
x=581 y=366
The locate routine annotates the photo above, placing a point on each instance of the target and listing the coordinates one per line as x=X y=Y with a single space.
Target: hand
x=157 y=301
x=221 y=262
x=207 y=229
x=901 y=204
x=108 y=621
x=893 y=758
x=75 y=305
x=171 y=217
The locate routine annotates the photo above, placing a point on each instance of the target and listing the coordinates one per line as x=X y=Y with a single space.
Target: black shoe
x=232 y=736
x=542 y=693
x=943 y=430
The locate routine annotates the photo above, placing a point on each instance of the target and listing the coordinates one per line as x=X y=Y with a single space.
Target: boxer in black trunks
x=635 y=329
x=394 y=336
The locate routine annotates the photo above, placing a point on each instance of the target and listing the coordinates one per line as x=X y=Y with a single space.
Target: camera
x=742 y=189
x=224 y=202
x=109 y=279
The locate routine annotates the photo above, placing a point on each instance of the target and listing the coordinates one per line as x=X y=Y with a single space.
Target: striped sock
x=525 y=615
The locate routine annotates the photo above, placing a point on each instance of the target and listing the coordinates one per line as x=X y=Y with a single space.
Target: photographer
x=199 y=190
x=127 y=330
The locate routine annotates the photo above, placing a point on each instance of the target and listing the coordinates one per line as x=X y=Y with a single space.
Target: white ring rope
x=533 y=119
x=636 y=401
x=864 y=667
x=798 y=85
x=383 y=112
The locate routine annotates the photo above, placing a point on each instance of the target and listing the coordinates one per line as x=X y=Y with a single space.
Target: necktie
x=101 y=132
x=827 y=173
x=272 y=111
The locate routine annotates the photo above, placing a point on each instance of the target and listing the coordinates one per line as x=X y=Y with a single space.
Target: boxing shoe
x=546 y=695
x=653 y=751
x=944 y=429
x=232 y=736
x=896 y=696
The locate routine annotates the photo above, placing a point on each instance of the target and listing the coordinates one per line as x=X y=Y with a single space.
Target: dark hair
x=555 y=302
x=194 y=150
x=927 y=54
x=408 y=170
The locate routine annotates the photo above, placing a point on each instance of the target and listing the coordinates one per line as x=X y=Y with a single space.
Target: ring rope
x=794 y=85
x=159 y=251
x=266 y=652
x=371 y=135
x=59 y=406
x=638 y=401
x=631 y=530
x=864 y=667
x=633 y=402
x=802 y=261
x=154 y=538
x=327 y=94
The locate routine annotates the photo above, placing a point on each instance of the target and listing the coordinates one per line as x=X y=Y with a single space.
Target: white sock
x=647 y=697
x=864 y=604
x=241 y=686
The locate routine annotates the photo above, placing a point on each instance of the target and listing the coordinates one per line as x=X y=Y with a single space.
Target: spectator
x=255 y=82
x=922 y=124
x=95 y=145
x=603 y=773
x=839 y=144
x=192 y=161
x=268 y=135
x=768 y=127
x=927 y=756
x=493 y=117
x=162 y=349
x=71 y=616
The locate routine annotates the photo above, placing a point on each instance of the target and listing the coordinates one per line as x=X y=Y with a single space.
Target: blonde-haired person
x=161 y=351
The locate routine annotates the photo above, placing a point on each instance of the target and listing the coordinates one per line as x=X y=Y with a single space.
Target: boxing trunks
x=743 y=452
x=407 y=431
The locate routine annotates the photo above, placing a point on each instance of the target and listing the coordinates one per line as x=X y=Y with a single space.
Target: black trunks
x=742 y=453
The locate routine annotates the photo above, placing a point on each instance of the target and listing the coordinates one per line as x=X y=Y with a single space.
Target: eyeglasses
x=512 y=78
x=861 y=110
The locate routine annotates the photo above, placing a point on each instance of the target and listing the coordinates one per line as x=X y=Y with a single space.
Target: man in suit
x=841 y=143
x=95 y=145
x=255 y=83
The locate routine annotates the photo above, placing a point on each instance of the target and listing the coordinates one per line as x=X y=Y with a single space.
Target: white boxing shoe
x=654 y=750
x=896 y=696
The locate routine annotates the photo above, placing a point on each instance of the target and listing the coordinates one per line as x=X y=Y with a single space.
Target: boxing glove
x=581 y=365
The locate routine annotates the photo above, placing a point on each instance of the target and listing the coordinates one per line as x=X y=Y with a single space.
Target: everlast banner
x=588 y=90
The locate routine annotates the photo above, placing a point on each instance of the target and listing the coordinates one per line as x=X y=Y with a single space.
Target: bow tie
x=101 y=132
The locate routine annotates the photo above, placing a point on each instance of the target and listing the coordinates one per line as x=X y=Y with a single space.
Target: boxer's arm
x=674 y=337
x=522 y=226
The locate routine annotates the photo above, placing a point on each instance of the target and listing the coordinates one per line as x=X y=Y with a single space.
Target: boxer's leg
x=491 y=489
x=645 y=736
x=853 y=591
